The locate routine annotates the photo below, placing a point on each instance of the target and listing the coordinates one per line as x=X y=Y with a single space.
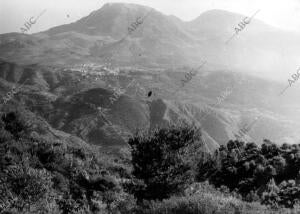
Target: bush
x=14 y=124
x=205 y=199
x=27 y=187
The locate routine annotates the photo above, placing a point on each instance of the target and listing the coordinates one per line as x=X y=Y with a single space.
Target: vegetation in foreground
x=166 y=171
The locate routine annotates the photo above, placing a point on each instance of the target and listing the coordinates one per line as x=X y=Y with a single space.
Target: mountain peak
x=216 y=14
x=129 y=7
x=107 y=20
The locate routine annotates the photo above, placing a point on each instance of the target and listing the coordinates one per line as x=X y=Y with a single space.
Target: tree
x=161 y=160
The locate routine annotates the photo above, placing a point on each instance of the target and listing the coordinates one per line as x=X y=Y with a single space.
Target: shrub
x=27 y=187
x=205 y=199
x=14 y=124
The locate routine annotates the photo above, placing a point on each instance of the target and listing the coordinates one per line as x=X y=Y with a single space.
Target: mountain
x=72 y=72
x=160 y=41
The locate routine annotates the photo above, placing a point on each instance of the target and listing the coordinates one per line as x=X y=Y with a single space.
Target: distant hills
x=163 y=41
x=157 y=54
x=68 y=101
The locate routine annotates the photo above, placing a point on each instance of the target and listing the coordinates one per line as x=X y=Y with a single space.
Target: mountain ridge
x=158 y=54
x=163 y=41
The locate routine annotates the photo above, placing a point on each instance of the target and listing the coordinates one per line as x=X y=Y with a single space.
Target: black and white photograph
x=150 y=107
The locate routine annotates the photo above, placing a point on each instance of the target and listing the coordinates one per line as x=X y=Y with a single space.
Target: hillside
x=70 y=102
x=47 y=171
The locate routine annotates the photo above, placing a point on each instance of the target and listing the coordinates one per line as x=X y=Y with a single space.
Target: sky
x=284 y=14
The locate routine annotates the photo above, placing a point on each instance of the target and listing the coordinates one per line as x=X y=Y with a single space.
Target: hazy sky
x=14 y=13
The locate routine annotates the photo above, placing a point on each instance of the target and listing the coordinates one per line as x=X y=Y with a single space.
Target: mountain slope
x=68 y=94
x=160 y=41
x=71 y=102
